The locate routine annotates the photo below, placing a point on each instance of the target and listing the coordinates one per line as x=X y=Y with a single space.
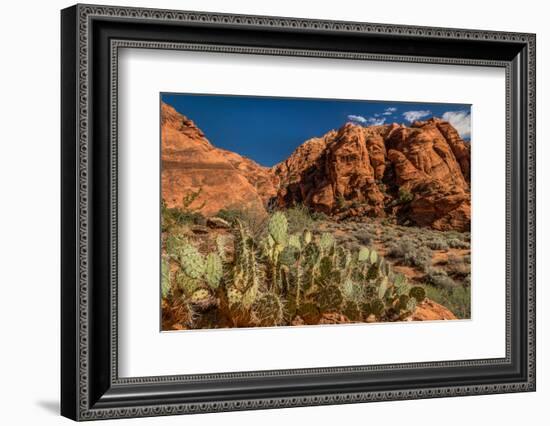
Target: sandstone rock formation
x=431 y=311
x=191 y=163
x=418 y=174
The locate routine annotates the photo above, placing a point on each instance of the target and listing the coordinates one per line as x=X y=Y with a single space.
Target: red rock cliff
x=419 y=174
x=190 y=162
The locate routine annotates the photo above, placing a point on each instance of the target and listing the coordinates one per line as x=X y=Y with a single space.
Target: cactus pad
x=326 y=242
x=329 y=298
x=268 y=310
x=278 y=227
x=364 y=254
x=214 y=270
x=192 y=261
x=289 y=255
x=418 y=293
x=165 y=278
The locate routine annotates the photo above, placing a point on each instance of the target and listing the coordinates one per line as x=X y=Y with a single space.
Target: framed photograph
x=263 y=212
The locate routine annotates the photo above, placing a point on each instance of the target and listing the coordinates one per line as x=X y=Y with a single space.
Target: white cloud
x=389 y=111
x=367 y=121
x=461 y=121
x=376 y=121
x=411 y=116
x=357 y=118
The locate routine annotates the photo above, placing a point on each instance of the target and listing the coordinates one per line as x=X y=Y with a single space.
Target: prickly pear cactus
x=174 y=244
x=343 y=258
x=234 y=296
x=200 y=295
x=268 y=310
x=326 y=242
x=289 y=256
x=411 y=305
x=166 y=284
x=311 y=254
x=221 y=246
x=403 y=302
x=202 y=300
x=373 y=256
x=307 y=236
x=373 y=272
x=330 y=298
x=377 y=307
x=382 y=287
x=364 y=254
x=278 y=227
x=192 y=261
x=351 y=310
x=249 y=296
x=187 y=284
x=418 y=293
x=294 y=241
x=325 y=268
x=213 y=270
x=348 y=290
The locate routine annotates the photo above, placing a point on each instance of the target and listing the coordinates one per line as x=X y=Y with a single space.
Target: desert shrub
x=177 y=217
x=183 y=214
x=459 y=265
x=340 y=202
x=458 y=244
x=254 y=220
x=410 y=254
x=364 y=237
x=231 y=215
x=439 y=278
x=319 y=216
x=457 y=299
x=404 y=196
x=436 y=243
x=299 y=218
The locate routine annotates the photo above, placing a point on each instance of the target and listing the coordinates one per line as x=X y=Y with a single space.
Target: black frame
x=91 y=37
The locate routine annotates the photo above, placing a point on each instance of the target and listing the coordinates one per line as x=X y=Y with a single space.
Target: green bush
x=404 y=196
x=436 y=243
x=183 y=214
x=231 y=215
x=458 y=244
x=457 y=299
x=439 y=278
x=364 y=237
x=254 y=220
x=410 y=254
x=299 y=218
x=319 y=216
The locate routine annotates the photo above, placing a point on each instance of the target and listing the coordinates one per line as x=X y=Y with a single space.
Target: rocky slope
x=190 y=162
x=419 y=174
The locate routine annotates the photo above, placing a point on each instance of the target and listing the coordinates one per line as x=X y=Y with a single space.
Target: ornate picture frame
x=91 y=38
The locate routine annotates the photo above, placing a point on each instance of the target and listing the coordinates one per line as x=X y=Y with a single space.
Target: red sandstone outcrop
x=190 y=162
x=419 y=174
x=431 y=311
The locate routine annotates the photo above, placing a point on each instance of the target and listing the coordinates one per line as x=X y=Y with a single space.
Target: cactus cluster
x=274 y=279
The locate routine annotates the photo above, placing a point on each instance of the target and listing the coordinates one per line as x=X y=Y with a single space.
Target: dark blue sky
x=268 y=129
